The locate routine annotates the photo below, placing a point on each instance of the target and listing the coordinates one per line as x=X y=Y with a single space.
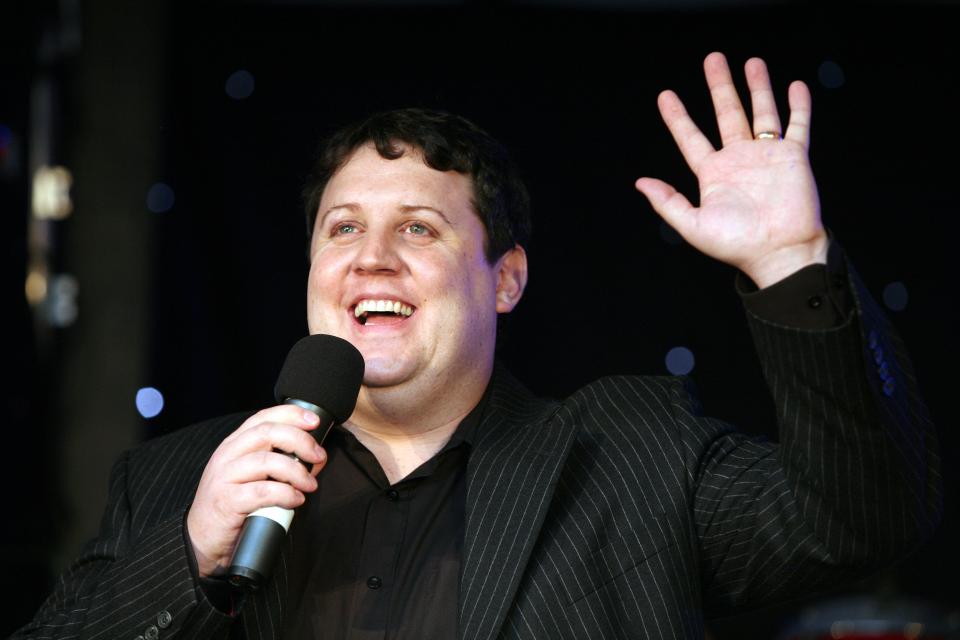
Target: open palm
x=759 y=209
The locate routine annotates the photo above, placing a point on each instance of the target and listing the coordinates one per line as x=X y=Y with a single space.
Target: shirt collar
x=466 y=432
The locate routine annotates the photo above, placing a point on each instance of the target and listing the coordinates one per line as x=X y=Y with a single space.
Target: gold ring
x=768 y=135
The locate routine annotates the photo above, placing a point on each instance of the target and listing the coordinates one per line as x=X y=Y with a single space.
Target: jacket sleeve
x=854 y=484
x=134 y=580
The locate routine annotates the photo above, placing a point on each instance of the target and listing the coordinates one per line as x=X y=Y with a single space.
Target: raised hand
x=759 y=209
x=245 y=473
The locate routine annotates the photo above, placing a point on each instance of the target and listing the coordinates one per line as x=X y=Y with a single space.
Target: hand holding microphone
x=250 y=470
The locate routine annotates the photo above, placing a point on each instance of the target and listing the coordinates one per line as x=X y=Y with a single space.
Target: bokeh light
x=895 y=296
x=679 y=361
x=160 y=198
x=6 y=137
x=149 y=402
x=240 y=85
x=831 y=75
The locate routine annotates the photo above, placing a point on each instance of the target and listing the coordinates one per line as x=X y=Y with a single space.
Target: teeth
x=384 y=306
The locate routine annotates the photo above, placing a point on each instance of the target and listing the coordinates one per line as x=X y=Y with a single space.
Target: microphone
x=321 y=374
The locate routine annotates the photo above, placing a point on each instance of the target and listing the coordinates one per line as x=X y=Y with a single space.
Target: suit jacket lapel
x=511 y=476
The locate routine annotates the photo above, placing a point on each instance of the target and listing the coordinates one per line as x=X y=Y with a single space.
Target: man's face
x=398 y=269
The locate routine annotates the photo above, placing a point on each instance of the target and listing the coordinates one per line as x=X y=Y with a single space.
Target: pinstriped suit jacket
x=619 y=512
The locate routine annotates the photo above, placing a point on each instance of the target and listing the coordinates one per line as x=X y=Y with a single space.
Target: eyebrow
x=408 y=208
x=404 y=208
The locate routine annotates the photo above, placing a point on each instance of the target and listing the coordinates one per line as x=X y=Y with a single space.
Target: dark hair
x=448 y=143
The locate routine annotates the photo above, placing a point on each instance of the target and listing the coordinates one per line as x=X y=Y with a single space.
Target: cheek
x=328 y=265
x=315 y=286
x=460 y=282
x=473 y=293
x=323 y=285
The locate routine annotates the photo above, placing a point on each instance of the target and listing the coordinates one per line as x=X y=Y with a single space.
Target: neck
x=404 y=427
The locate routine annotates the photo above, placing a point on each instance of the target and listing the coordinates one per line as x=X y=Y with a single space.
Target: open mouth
x=381 y=311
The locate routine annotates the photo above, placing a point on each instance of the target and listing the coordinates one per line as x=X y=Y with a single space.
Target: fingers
x=672 y=205
x=798 y=130
x=732 y=121
x=286 y=413
x=731 y=118
x=692 y=143
x=251 y=496
x=258 y=466
x=267 y=436
x=765 y=116
x=248 y=471
x=257 y=453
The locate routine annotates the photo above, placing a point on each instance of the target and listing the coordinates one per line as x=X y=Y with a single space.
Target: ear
x=511 y=278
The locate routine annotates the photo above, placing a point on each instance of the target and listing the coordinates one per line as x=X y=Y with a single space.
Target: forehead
x=366 y=178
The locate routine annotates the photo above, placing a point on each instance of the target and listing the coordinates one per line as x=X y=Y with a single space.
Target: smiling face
x=398 y=269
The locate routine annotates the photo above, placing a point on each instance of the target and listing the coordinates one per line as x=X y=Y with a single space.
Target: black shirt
x=374 y=560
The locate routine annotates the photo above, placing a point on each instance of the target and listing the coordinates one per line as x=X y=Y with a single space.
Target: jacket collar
x=511 y=477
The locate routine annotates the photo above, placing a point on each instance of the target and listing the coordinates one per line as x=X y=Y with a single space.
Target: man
x=453 y=503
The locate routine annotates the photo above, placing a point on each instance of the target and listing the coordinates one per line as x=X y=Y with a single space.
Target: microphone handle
x=265 y=530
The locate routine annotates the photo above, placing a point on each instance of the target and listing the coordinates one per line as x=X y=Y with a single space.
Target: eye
x=417 y=229
x=344 y=228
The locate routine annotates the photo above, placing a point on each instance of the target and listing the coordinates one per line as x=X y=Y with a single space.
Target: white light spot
x=160 y=198
x=149 y=402
x=831 y=75
x=61 y=300
x=50 y=197
x=895 y=296
x=239 y=84
x=679 y=361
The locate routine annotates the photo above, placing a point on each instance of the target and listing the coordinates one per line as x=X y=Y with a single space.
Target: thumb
x=672 y=205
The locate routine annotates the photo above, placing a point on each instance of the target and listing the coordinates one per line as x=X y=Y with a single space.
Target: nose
x=377 y=253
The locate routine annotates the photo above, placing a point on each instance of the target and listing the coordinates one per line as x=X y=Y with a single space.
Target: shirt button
x=164 y=619
x=814 y=302
x=151 y=633
x=393 y=495
x=374 y=582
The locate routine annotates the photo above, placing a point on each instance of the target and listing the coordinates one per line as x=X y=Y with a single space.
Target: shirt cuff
x=220 y=594
x=815 y=297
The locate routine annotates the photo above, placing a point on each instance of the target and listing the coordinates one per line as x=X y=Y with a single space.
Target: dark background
x=202 y=300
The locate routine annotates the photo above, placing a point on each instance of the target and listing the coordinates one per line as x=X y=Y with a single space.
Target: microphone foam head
x=324 y=370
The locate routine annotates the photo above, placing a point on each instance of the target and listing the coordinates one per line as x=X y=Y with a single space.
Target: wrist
x=786 y=261
x=205 y=565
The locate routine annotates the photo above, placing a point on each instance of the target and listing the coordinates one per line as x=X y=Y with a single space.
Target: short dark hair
x=448 y=143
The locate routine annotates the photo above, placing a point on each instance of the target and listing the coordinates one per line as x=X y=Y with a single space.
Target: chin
x=384 y=372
